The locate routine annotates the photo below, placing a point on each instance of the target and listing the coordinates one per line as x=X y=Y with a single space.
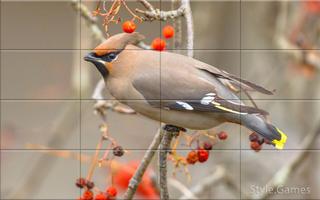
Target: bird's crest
x=118 y=42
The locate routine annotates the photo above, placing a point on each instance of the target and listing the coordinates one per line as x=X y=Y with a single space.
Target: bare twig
x=156 y=14
x=89 y=18
x=136 y=179
x=208 y=182
x=182 y=188
x=286 y=171
x=308 y=55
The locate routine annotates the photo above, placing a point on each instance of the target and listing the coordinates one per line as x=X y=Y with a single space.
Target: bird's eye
x=110 y=57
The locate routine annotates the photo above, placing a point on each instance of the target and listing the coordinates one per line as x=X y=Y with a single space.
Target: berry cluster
x=109 y=194
x=201 y=155
x=158 y=43
x=256 y=142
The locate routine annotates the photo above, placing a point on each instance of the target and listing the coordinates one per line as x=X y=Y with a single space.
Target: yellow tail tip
x=279 y=144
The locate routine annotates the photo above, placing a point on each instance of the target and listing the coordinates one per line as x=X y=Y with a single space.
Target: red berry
x=168 y=31
x=255 y=146
x=261 y=141
x=118 y=151
x=267 y=141
x=192 y=157
x=203 y=155
x=223 y=135
x=81 y=182
x=90 y=185
x=158 y=44
x=111 y=191
x=207 y=146
x=253 y=137
x=101 y=196
x=87 y=195
x=129 y=26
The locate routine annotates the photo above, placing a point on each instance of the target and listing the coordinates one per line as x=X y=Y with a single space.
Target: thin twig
x=155 y=14
x=286 y=171
x=164 y=150
x=182 y=188
x=137 y=177
x=89 y=18
x=207 y=182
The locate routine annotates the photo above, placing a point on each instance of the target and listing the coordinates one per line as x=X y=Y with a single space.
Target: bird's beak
x=100 y=64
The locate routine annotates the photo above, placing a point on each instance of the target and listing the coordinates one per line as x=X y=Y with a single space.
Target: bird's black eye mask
x=109 y=57
x=99 y=61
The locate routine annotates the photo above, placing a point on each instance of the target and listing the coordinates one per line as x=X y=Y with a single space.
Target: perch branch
x=164 y=149
x=136 y=179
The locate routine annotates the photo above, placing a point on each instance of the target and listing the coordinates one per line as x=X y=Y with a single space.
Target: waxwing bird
x=177 y=90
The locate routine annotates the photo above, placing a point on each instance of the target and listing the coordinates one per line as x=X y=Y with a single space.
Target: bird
x=178 y=90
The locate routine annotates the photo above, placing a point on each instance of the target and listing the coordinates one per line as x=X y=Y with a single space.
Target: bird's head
x=107 y=52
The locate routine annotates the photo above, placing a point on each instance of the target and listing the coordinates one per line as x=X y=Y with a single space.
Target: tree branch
x=152 y=14
x=189 y=23
x=164 y=149
x=136 y=179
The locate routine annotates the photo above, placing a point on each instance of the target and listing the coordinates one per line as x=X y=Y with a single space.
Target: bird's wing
x=188 y=91
x=231 y=79
x=211 y=103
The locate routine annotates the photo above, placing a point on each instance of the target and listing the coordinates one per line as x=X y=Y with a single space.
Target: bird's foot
x=172 y=128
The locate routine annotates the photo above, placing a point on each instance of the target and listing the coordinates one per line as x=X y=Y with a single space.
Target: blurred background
x=46 y=96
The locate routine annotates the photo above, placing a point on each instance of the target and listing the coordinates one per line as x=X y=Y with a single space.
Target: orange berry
x=255 y=146
x=192 y=157
x=158 y=44
x=112 y=191
x=168 y=31
x=101 y=196
x=87 y=195
x=223 y=135
x=203 y=155
x=312 y=6
x=129 y=26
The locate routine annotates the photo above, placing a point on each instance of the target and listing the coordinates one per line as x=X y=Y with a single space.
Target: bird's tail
x=266 y=130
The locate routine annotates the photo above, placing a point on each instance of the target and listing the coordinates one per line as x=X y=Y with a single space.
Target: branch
x=184 y=10
x=164 y=149
x=136 y=179
x=286 y=171
x=89 y=18
x=207 y=183
x=189 y=23
x=182 y=188
x=152 y=14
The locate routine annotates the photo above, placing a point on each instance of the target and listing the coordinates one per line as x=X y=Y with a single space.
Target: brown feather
x=118 y=42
